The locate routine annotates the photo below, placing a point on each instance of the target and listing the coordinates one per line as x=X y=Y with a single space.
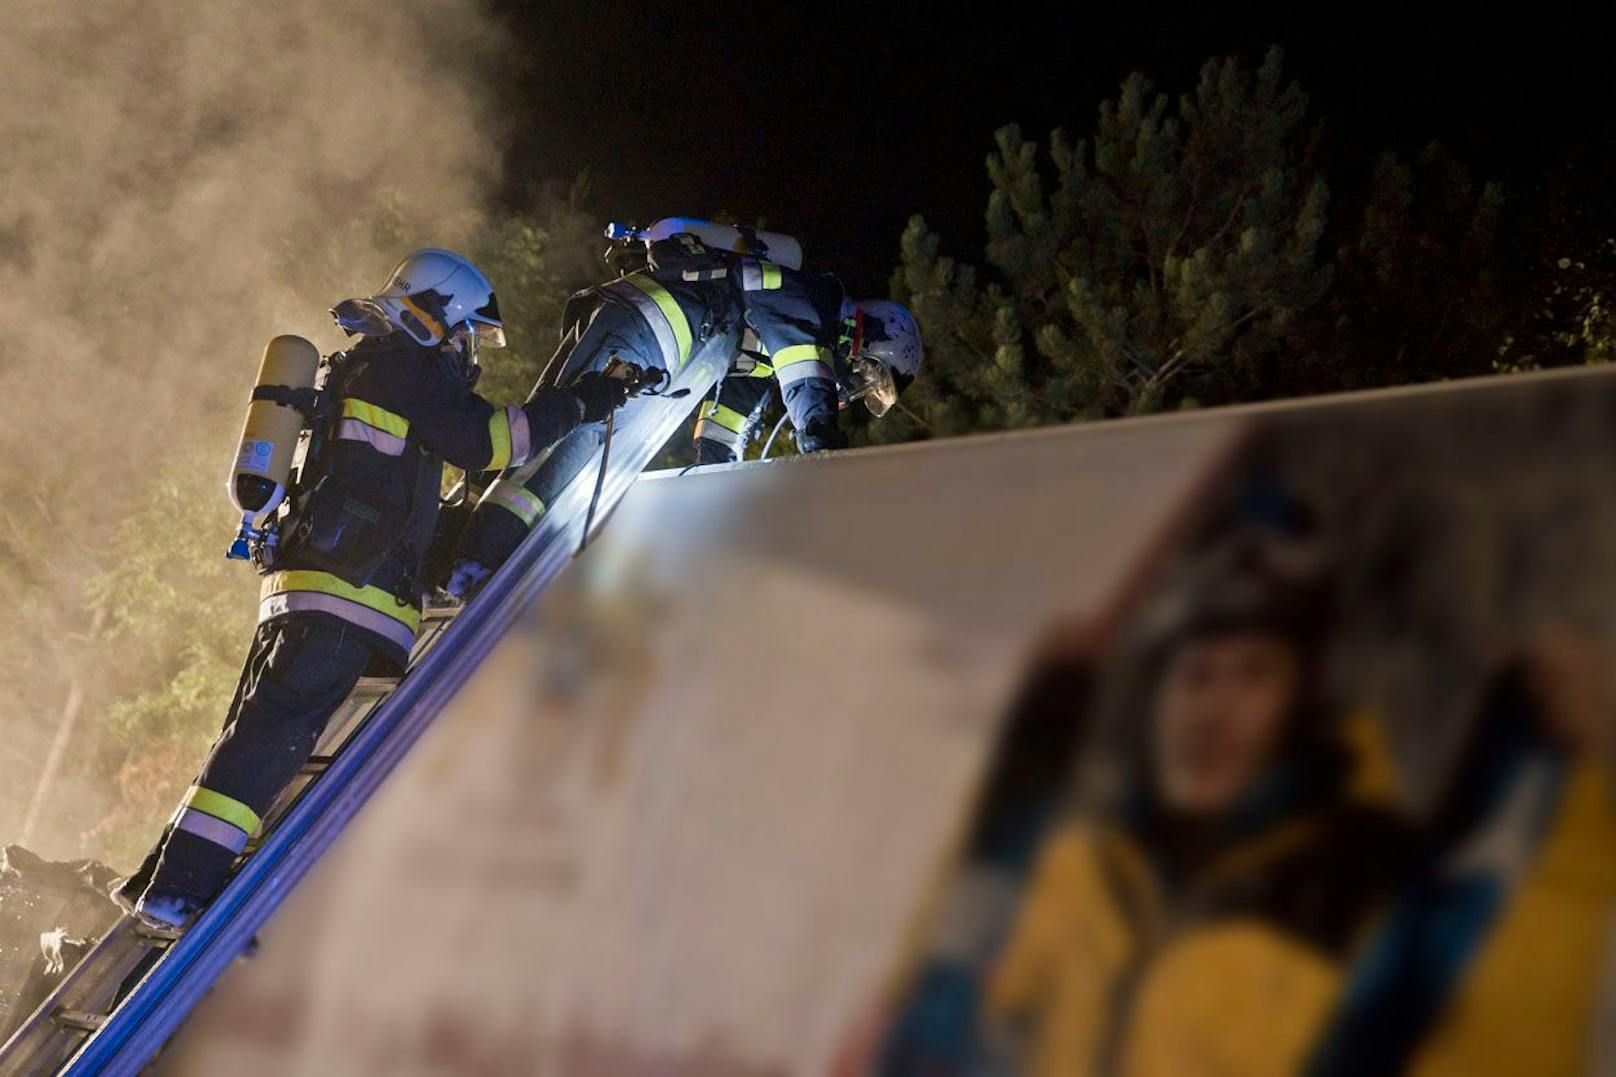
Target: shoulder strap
x=321 y=416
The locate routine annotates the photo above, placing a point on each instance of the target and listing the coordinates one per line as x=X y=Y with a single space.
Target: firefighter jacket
x=682 y=297
x=367 y=502
x=790 y=325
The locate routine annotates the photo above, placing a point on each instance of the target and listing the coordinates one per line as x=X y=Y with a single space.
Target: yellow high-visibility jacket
x=1233 y=971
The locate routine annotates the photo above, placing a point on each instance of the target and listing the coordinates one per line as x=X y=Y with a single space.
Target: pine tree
x=1159 y=263
x=536 y=259
x=1416 y=296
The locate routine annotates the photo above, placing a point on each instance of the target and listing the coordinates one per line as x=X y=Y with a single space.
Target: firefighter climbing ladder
x=118 y=1006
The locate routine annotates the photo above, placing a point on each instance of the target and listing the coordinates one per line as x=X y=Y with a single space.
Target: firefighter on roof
x=693 y=280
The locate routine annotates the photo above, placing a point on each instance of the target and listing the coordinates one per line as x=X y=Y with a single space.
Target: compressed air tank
x=770 y=246
x=269 y=436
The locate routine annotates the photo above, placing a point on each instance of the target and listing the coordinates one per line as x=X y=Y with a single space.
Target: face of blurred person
x=1221 y=711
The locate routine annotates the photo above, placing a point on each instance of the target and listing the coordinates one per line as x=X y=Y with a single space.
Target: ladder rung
x=81 y=1020
x=439 y=613
x=155 y=937
x=375 y=686
x=316 y=764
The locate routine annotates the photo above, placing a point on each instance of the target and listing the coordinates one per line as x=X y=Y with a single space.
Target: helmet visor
x=362 y=317
x=488 y=334
x=871 y=381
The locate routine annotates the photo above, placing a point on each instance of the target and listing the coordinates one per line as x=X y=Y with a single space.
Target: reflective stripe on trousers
x=722 y=424
x=372 y=608
x=711 y=431
x=802 y=361
x=217 y=818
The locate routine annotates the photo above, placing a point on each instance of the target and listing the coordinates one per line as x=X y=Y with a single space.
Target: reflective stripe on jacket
x=371 y=608
x=401 y=412
x=793 y=320
x=661 y=311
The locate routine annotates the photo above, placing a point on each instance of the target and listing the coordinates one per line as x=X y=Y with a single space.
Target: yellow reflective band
x=383 y=602
x=432 y=324
x=762 y=365
x=728 y=418
x=707 y=430
x=380 y=418
x=800 y=353
x=220 y=806
x=670 y=310
x=515 y=498
x=499 y=435
x=771 y=276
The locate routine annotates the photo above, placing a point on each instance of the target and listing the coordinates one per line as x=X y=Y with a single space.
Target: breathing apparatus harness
x=313 y=494
x=259 y=538
x=319 y=406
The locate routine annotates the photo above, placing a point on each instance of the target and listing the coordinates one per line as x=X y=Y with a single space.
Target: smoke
x=179 y=182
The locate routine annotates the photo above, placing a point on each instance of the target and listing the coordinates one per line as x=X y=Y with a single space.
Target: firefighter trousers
x=298 y=671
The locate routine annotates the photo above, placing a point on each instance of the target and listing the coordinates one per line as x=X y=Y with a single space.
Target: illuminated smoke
x=178 y=182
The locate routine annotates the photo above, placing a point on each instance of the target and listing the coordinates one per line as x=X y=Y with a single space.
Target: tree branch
x=1189 y=213
x=1239 y=201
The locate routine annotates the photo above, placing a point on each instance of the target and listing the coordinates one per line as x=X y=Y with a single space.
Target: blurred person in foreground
x=1495 y=958
x=1202 y=925
x=924 y=1019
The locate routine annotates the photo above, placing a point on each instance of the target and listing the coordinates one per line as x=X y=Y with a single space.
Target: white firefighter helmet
x=885 y=352
x=433 y=295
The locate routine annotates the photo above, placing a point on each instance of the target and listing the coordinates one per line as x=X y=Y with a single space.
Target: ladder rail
x=89 y=988
x=150 y=1014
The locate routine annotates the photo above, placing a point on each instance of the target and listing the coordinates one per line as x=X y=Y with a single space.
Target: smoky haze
x=179 y=182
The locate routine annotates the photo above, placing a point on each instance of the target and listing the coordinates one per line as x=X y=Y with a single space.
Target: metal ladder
x=83 y=1001
x=125 y=998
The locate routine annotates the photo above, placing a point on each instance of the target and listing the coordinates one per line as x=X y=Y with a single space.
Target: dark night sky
x=836 y=123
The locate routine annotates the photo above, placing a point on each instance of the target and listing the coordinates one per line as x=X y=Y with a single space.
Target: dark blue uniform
x=786 y=326
x=792 y=320
x=345 y=594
